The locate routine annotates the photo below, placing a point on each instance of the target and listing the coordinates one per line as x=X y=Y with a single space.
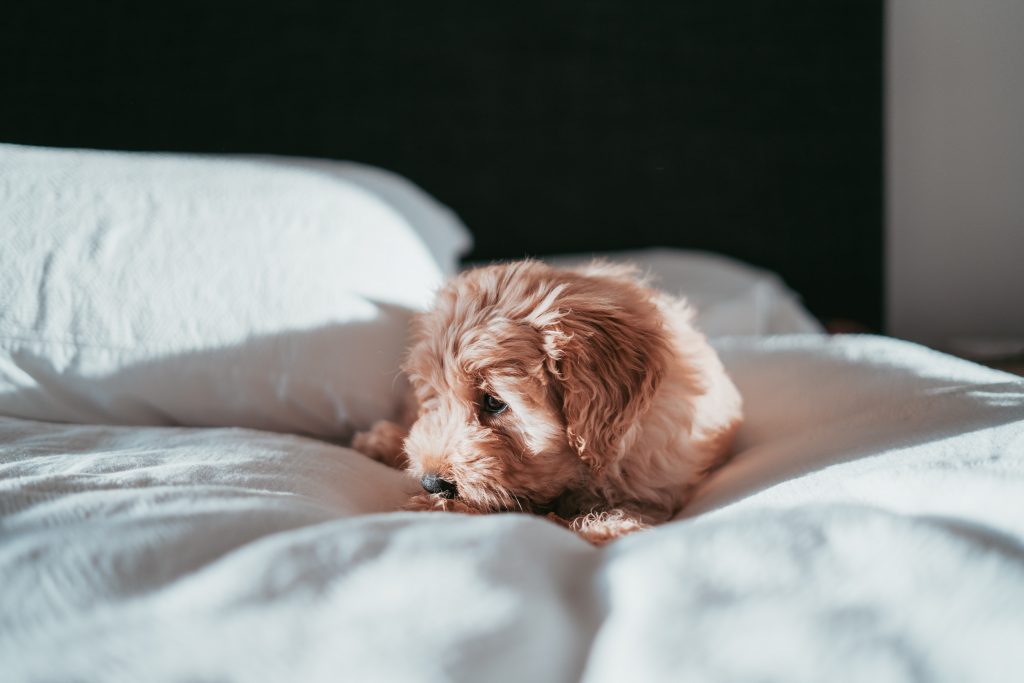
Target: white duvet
x=870 y=528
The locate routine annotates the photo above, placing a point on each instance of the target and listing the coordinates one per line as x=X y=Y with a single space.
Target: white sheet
x=871 y=528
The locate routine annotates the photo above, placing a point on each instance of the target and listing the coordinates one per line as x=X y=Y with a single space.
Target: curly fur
x=617 y=405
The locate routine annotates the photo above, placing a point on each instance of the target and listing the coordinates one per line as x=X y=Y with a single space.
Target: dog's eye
x=492 y=405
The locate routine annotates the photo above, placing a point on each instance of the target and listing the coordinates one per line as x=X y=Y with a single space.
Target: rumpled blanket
x=869 y=528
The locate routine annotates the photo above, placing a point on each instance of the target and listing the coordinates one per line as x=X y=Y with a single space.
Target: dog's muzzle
x=435 y=484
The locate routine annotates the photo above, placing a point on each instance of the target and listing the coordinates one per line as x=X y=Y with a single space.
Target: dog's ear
x=608 y=350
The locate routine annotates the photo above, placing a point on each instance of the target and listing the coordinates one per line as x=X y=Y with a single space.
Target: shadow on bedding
x=321 y=382
x=807 y=411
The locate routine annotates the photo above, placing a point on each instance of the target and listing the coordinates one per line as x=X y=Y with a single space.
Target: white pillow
x=730 y=297
x=440 y=228
x=170 y=289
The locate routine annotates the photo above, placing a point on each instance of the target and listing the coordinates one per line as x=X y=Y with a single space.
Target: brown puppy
x=578 y=393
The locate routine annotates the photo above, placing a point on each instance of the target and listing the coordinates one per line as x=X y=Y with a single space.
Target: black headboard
x=750 y=127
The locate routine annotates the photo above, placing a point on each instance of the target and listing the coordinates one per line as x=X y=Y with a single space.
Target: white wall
x=955 y=120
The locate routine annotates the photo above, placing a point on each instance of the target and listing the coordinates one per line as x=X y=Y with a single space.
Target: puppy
x=580 y=394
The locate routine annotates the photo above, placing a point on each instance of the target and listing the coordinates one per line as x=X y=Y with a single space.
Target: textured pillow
x=730 y=297
x=169 y=289
x=442 y=232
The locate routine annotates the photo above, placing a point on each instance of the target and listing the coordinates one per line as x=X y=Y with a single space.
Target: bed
x=187 y=343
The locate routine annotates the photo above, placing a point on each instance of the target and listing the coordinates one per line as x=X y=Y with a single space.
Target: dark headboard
x=750 y=127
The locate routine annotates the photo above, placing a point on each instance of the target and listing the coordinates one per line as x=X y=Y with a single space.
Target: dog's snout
x=435 y=484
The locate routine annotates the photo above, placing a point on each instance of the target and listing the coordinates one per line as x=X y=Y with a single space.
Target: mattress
x=869 y=528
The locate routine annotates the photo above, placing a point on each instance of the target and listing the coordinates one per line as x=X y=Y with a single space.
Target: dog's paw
x=600 y=528
x=383 y=443
x=426 y=502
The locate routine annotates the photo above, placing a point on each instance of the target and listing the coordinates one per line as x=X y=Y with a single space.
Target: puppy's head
x=527 y=378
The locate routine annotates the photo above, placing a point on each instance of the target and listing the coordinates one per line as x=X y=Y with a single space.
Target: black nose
x=435 y=484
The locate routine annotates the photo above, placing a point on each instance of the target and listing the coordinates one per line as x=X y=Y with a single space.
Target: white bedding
x=870 y=528
x=729 y=296
x=168 y=289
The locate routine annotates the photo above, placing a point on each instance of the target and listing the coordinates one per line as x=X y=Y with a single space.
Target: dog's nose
x=435 y=484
